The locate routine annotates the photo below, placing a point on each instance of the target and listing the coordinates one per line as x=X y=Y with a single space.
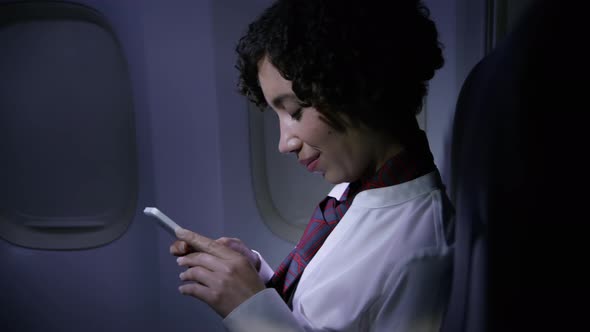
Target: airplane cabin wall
x=109 y=288
x=193 y=163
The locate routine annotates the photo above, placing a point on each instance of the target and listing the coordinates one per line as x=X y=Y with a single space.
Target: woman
x=346 y=81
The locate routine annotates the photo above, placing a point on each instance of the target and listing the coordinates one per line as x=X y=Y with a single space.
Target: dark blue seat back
x=517 y=161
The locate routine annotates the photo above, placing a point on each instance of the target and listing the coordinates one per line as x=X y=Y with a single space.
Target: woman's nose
x=289 y=143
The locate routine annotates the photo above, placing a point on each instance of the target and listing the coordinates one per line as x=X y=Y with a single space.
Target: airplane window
x=67 y=137
x=285 y=192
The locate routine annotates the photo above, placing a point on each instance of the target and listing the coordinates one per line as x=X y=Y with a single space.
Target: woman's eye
x=297 y=114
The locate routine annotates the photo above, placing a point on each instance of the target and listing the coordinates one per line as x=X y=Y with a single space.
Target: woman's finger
x=198 y=282
x=180 y=248
x=202 y=243
x=202 y=259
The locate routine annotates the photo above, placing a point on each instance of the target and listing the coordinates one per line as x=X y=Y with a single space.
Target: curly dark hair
x=368 y=59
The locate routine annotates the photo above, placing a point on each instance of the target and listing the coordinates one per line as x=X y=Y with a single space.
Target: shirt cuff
x=265 y=272
x=265 y=311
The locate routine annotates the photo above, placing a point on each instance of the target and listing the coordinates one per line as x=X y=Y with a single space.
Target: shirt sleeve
x=265 y=272
x=415 y=299
x=264 y=312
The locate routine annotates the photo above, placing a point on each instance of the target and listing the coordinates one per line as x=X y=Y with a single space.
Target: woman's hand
x=181 y=248
x=239 y=246
x=218 y=273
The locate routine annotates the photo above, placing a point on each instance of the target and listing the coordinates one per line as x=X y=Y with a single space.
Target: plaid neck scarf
x=401 y=168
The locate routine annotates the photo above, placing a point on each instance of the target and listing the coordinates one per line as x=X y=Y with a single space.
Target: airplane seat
x=516 y=160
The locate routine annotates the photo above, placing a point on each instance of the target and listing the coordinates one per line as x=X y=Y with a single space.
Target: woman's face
x=338 y=156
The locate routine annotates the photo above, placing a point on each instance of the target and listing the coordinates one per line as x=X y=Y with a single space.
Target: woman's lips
x=310 y=163
x=313 y=165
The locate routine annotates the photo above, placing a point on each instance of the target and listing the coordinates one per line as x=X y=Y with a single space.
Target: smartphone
x=163 y=220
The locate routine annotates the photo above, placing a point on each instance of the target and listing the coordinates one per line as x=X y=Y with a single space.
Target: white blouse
x=385 y=267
